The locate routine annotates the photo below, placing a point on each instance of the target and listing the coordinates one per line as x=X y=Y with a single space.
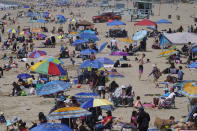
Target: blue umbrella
x=88 y=52
x=52 y=87
x=102 y=46
x=193 y=65
x=89 y=36
x=85 y=96
x=89 y=32
x=42 y=21
x=105 y=60
x=163 y=21
x=26 y=6
x=194 y=49
x=61 y=19
x=80 y=41
x=24 y=76
x=115 y=23
x=139 y=35
x=51 y=127
x=91 y=63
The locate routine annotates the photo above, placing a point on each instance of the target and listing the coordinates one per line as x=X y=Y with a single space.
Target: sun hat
x=123 y=87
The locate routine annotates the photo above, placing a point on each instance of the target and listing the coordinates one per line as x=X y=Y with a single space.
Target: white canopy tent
x=181 y=38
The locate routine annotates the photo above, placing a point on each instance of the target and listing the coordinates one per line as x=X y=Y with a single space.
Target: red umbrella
x=145 y=22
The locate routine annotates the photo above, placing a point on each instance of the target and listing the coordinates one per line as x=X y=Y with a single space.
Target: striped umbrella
x=167 y=53
x=95 y=103
x=37 y=54
x=68 y=112
x=12 y=31
x=55 y=60
x=190 y=89
x=49 y=68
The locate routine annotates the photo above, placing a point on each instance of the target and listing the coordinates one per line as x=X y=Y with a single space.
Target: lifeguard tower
x=143 y=9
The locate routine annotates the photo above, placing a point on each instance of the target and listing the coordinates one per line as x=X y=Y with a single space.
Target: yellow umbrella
x=190 y=89
x=168 y=52
x=72 y=33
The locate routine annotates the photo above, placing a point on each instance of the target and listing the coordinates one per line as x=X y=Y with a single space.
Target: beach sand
x=28 y=107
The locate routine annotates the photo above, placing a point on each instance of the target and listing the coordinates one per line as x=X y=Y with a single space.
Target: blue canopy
x=24 y=76
x=88 y=52
x=52 y=87
x=89 y=36
x=194 y=49
x=163 y=21
x=164 y=42
x=42 y=21
x=79 y=41
x=193 y=65
x=51 y=127
x=26 y=6
x=105 y=60
x=115 y=23
x=91 y=63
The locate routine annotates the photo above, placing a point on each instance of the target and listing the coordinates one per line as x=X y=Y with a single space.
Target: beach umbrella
x=24 y=33
x=61 y=19
x=55 y=60
x=119 y=53
x=26 y=6
x=48 y=68
x=37 y=54
x=140 y=35
x=115 y=23
x=89 y=36
x=39 y=36
x=32 y=21
x=44 y=57
x=163 y=21
x=51 y=127
x=80 y=41
x=91 y=63
x=189 y=89
x=85 y=96
x=102 y=46
x=52 y=87
x=95 y=103
x=105 y=60
x=168 y=52
x=89 y=32
x=145 y=22
x=114 y=74
x=194 y=49
x=73 y=20
x=42 y=21
x=88 y=52
x=193 y=65
x=69 y=112
x=24 y=76
x=12 y=31
x=127 y=40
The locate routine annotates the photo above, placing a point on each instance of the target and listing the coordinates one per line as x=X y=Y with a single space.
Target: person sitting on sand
x=138 y=103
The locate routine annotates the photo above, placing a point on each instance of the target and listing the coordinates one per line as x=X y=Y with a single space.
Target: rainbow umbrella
x=114 y=74
x=168 y=52
x=55 y=60
x=49 y=68
x=95 y=103
x=24 y=33
x=190 y=89
x=12 y=31
x=37 y=54
x=68 y=112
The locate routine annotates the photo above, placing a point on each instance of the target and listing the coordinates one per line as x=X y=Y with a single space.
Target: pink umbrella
x=119 y=53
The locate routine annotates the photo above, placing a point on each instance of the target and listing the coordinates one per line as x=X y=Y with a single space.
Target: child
x=138 y=103
x=124 y=96
x=2 y=118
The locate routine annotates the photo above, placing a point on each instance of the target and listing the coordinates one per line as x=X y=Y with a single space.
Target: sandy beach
x=28 y=107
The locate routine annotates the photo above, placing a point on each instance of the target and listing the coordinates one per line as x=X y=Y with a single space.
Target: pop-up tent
x=181 y=38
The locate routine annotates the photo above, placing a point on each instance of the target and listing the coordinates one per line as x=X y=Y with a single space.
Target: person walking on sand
x=141 y=62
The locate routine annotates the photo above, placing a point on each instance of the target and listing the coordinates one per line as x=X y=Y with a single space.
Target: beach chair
x=169 y=104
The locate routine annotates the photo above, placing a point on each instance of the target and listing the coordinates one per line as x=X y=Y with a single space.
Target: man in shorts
x=141 y=62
